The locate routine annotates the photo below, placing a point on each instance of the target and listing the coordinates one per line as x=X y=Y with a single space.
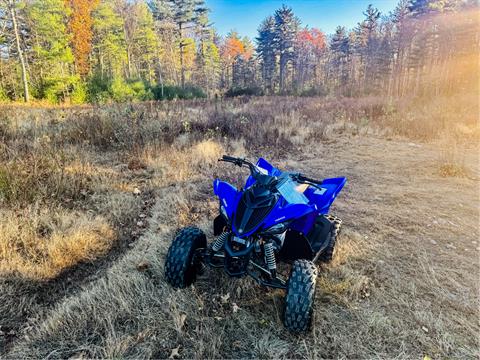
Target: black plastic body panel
x=319 y=236
x=219 y=224
x=295 y=246
x=300 y=246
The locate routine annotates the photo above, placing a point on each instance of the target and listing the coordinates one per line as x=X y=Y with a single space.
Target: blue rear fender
x=324 y=198
x=227 y=194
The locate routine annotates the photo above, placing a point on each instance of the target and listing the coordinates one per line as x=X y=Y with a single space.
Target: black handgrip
x=229 y=158
x=234 y=160
x=304 y=178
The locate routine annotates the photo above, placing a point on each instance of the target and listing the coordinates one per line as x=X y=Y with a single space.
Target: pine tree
x=286 y=27
x=266 y=51
x=186 y=15
x=166 y=31
x=51 y=52
x=366 y=46
x=209 y=67
x=208 y=57
x=109 y=41
x=402 y=36
x=144 y=41
x=340 y=49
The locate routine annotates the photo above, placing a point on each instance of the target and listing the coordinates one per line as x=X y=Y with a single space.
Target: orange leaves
x=80 y=25
x=312 y=39
x=232 y=48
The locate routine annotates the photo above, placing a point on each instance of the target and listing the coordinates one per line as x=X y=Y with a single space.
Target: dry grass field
x=91 y=197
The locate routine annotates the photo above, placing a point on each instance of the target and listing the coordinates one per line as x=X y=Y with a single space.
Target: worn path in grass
x=404 y=282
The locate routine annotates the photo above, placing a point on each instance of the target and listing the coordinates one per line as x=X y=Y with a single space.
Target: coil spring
x=219 y=241
x=270 y=256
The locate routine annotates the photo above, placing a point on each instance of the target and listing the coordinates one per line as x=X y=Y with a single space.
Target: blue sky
x=245 y=15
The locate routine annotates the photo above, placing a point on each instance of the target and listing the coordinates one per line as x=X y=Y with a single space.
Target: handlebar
x=253 y=169
x=240 y=162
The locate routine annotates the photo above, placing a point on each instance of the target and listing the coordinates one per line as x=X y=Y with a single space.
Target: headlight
x=276 y=229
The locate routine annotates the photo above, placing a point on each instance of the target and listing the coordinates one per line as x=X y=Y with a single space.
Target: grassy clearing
x=76 y=185
x=387 y=285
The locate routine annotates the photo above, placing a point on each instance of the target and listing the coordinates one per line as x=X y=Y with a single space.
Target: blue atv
x=278 y=217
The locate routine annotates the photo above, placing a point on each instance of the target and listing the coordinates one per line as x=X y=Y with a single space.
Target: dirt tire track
x=71 y=280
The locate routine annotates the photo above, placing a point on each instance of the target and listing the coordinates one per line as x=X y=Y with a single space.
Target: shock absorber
x=270 y=258
x=219 y=241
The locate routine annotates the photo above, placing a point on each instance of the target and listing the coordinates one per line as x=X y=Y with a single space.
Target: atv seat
x=324 y=196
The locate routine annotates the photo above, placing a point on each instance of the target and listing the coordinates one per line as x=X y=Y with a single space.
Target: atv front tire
x=180 y=267
x=300 y=297
x=329 y=252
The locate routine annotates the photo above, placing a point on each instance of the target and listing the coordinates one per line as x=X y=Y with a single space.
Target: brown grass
x=40 y=243
x=407 y=259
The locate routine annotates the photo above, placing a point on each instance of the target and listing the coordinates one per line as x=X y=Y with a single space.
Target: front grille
x=241 y=208
x=255 y=214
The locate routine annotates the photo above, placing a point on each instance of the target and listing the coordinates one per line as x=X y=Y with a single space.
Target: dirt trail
x=404 y=283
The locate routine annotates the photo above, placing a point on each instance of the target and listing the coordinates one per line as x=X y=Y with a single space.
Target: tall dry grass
x=38 y=243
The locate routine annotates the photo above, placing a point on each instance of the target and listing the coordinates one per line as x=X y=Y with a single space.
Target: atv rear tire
x=300 y=297
x=180 y=269
x=329 y=252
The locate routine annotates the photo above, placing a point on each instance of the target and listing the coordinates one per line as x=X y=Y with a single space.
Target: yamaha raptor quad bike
x=278 y=217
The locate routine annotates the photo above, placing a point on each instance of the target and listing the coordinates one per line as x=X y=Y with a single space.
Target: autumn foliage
x=232 y=48
x=80 y=24
x=313 y=39
x=80 y=51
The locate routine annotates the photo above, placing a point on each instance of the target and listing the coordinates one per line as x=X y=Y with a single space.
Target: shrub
x=171 y=92
x=314 y=91
x=79 y=94
x=57 y=89
x=97 y=90
x=120 y=91
x=141 y=90
x=3 y=95
x=244 y=91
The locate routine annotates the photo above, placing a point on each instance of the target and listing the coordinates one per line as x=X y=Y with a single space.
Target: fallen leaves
x=183 y=318
x=175 y=352
x=225 y=298
x=142 y=266
x=235 y=308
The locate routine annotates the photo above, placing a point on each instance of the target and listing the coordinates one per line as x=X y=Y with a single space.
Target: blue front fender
x=227 y=194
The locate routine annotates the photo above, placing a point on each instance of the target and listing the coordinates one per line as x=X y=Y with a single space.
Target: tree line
x=80 y=51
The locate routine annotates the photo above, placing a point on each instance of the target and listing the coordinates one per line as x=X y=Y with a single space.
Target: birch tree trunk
x=11 y=6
